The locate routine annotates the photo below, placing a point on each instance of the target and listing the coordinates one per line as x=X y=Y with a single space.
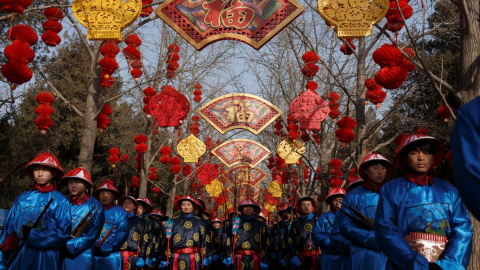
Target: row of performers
x=412 y=222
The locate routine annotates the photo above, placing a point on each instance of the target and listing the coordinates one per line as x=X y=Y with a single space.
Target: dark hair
x=423 y=145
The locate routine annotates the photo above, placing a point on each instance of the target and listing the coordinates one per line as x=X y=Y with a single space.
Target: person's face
x=286 y=215
x=76 y=187
x=128 y=205
x=140 y=210
x=43 y=174
x=419 y=161
x=186 y=207
x=216 y=225
x=106 y=197
x=337 y=202
x=164 y=223
x=227 y=223
x=376 y=174
x=248 y=210
x=306 y=207
x=196 y=212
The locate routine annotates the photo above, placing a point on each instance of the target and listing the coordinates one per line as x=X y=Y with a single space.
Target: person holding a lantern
x=114 y=232
x=280 y=247
x=418 y=210
x=87 y=221
x=364 y=251
x=39 y=222
x=303 y=250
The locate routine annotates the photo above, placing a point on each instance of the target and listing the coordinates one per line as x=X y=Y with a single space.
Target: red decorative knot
x=169 y=107
x=309 y=110
x=52 y=26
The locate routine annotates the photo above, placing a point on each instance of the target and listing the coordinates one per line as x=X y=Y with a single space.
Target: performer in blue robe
x=465 y=142
x=115 y=229
x=332 y=255
x=280 y=247
x=365 y=252
x=418 y=206
x=78 y=253
x=41 y=250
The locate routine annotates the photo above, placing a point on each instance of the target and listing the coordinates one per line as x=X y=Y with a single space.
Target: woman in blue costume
x=365 y=252
x=418 y=206
x=78 y=252
x=114 y=232
x=41 y=250
x=332 y=255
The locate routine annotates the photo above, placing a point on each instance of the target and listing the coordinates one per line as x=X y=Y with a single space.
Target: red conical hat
x=147 y=202
x=120 y=202
x=107 y=185
x=188 y=198
x=261 y=215
x=80 y=174
x=157 y=212
x=409 y=139
x=335 y=191
x=314 y=204
x=216 y=220
x=357 y=181
x=285 y=208
x=375 y=157
x=249 y=202
x=45 y=159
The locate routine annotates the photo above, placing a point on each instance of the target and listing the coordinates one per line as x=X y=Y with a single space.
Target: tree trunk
x=171 y=200
x=89 y=135
x=360 y=101
x=474 y=259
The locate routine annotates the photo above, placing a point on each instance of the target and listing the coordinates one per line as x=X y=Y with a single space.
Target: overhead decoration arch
x=239 y=110
x=241 y=151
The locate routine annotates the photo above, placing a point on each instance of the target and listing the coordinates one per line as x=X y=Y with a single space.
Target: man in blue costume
x=41 y=250
x=280 y=247
x=79 y=249
x=418 y=210
x=465 y=142
x=159 y=252
x=144 y=209
x=114 y=232
x=302 y=248
x=217 y=247
x=364 y=251
x=332 y=256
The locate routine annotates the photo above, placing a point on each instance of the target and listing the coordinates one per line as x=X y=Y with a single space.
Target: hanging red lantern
x=335 y=163
x=197 y=92
x=310 y=57
x=311 y=85
x=102 y=119
x=140 y=140
x=169 y=107
x=146 y=11
x=135 y=182
x=113 y=159
x=309 y=70
x=109 y=64
x=14 y=6
x=391 y=77
x=388 y=56
x=149 y=92
x=52 y=26
x=393 y=14
x=44 y=111
x=444 y=113
x=309 y=110
x=155 y=190
x=345 y=49
x=165 y=158
x=345 y=132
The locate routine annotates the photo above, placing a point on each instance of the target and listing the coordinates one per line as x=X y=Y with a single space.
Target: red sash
x=189 y=250
x=247 y=252
x=125 y=256
x=310 y=253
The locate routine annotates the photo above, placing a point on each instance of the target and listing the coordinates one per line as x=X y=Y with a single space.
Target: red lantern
x=146 y=11
x=309 y=110
x=309 y=70
x=393 y=14
x=394 y=27
x=169 y=107
x=102 y=119
x=444 y=113
x=155 y=190
x=52 y=27
x=44 y=111
x=14 y=6
x=345 y=132
x=345 y=49
x=391 y=78
x=335 y=163
x=310 y=57
x=388 y=56
x=114 y=152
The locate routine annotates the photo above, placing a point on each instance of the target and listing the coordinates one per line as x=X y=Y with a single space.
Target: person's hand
x=283 y=262
x=26 y=231
x=162 y=265
x=148 y=262
x=140 y=263
x=227 y=262
x=295 y=262
x=264 y=266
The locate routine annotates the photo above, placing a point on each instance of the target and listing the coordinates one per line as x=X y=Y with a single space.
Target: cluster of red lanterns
x=335 y=172
x=155 y=190
x=345 y=132
x=149 y=92
x=195 y=126
x=146 y=11
x=394 y=19
x=152 y=174
x=141 y=148
x=345 y=49
x=135 y=182
x=172 y=60
x=394 y=66
x=19 y=54
x=14 y=6
x=187 y=170
x=102 y=119
x=333 y=105
x=444 y=113
x=113 y=158
x=109 y=64
x=292 y=128
x=310 y=69
x=374 y=93
x=176 y=168
x=165 y=152
x=352 y=174
x=133 y=55
x=44 y=111
x=197 y=92
x=278 y=128
x=52 y=26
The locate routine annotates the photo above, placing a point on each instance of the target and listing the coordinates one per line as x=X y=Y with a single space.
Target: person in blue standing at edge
x=332 y=256
x=303 y=250
x=41 y=250
x=78 y=253
x=143 y=211
x=364 y=251
x=114 y=232
x=420 y=208
x=465 y=144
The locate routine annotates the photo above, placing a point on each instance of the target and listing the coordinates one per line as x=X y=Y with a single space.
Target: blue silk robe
x=364 y=251
x=116 y=217
x=333 y=257
x=79 y=250
x=41 y=250
x=406 y=207
x=465 y=141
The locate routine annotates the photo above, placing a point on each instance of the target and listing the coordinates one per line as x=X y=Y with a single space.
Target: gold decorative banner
x=191 y=148
x=269 y=207
x=275 y=189
x=214 y=188
x=290 y=151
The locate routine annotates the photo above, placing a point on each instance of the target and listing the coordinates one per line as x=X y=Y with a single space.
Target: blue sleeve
x=465 y=141
x=459 y=248
x=353 y=231
x=336 y=236
x=8 y=228
x=57 y=230
x=118 y=236
x=86 y=241
x=320 y=235
x=389 y=239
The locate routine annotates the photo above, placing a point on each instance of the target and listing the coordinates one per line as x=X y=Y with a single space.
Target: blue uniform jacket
x=79 y=249
x=406 y=207
x=115 y=217
x=41 y=250
x=365 y=252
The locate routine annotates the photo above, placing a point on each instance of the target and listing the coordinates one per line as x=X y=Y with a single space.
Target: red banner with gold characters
x=203 y=22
